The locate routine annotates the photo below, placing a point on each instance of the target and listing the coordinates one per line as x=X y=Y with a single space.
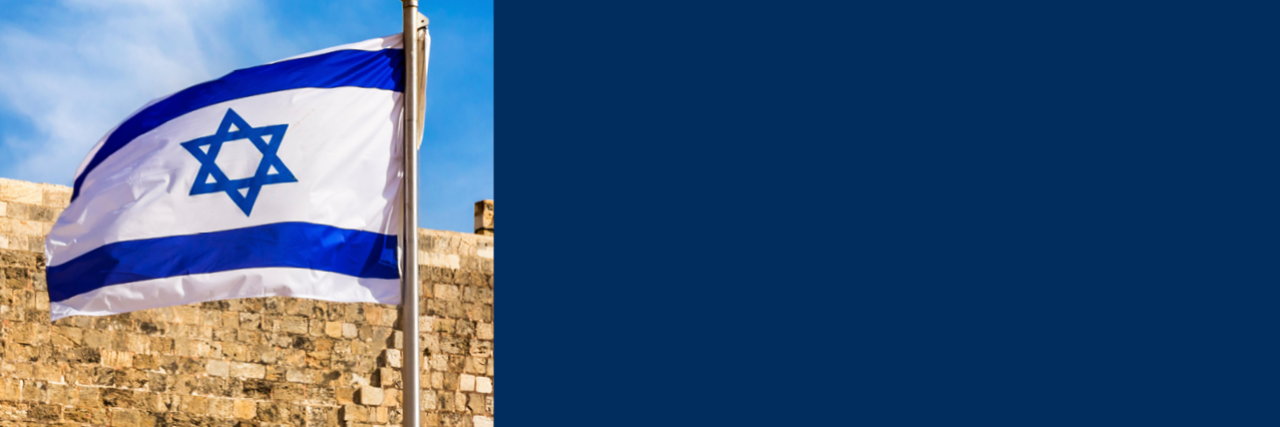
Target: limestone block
x=62 y=394
x=145 y=361
x=353 y=413
x=245 y=409
x=446 y=292
x=333 y=329
x=117 y=359
x=17 y=227
x=218 y=368
x=21 y=192
x=444 y=326
x=438 y=362
x=305 y=376
x=248 y=370
x=481 y=348
x=138 y=344
x=393 y=358
x=349 y=330
x=484 y=217
x=371 y=396
x=481 y=421
x=294 y=325
x=390 y=397
x=57 y=196
x=48 y=373
x=475 y=365
x=476 y=404
x=467 y=383
x=222 y=408
x=2 y=209
x=450 y=261
x=484 y=385
x=131 y=418
x=484 y=331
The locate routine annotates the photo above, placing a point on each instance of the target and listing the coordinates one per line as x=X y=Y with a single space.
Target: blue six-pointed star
x=211 y=179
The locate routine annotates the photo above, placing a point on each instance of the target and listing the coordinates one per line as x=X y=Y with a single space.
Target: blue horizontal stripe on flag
x=383 y=69
x=288 y=244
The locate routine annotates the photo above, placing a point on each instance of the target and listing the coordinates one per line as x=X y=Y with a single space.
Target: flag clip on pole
x=411 y=368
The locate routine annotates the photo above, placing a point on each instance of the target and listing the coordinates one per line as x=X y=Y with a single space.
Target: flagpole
x=410 y=374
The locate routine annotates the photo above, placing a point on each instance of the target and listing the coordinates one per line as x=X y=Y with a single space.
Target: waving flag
x=276 y=180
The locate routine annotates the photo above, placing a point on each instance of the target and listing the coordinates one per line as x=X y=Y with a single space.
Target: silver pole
x=410 y=370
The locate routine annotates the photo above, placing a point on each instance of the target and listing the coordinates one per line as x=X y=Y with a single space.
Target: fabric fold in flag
x=276 y=180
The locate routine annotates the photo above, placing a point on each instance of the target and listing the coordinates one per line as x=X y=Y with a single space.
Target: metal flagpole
x=410 y=373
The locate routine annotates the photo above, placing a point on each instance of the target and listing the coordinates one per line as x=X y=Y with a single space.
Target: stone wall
x=246 y=362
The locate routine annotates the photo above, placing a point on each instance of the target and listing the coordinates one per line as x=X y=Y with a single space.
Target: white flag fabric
x=276 y=180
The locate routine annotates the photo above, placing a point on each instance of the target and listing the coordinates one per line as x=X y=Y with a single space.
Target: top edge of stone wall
x=33 y=193
x=59 y=196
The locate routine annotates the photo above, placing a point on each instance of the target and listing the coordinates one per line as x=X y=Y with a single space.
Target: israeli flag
x=276 y=180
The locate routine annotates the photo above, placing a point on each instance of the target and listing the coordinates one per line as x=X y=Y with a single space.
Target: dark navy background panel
x=287 y=244
x=891 y=213
x=383 y=69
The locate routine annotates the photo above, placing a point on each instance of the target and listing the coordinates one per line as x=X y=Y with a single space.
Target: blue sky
x=70 y=70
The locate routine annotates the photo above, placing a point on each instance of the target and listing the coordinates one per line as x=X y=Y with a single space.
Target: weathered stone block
x=371 y=396
x=218 y=368
x=446 y=292
x=244 y=409
x=138 y=344
x=57 y=196
x=239 y=352
x=294 y=324
x=79 y=415
x=118 y=398
x=484 y=385
x=45 y=412
x=454 y=345
x=467 y=383
x=21 y=192
x=48 y=373
x=333 y=329
x=393 y=358
x=117 y=359
x=459 y=402
x=247 y=370
x=353 y=413
x=387 y=378
x=288 y=391
x=60 y=394
x=250 y=320
x=222 y=408
x=145 y=361
x=481 y=348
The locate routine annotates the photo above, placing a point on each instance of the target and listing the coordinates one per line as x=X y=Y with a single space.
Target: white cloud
x=82 y=67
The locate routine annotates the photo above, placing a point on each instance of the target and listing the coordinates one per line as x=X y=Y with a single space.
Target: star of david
x=244 y=192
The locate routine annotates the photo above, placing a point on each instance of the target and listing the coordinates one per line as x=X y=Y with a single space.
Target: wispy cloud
x=80 y=67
